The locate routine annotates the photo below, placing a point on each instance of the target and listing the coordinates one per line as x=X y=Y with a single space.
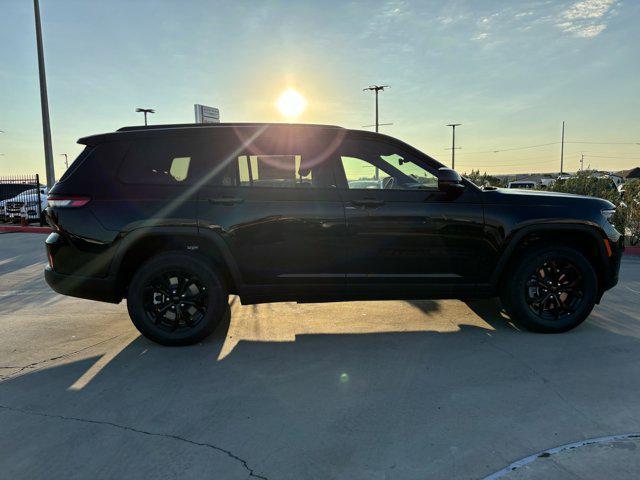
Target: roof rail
x=217 y=125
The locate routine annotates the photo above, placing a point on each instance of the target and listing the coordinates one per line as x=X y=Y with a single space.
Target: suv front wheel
x=550 y=289
x=176 y=299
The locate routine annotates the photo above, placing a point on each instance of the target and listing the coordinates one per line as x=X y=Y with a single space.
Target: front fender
x=562 y=229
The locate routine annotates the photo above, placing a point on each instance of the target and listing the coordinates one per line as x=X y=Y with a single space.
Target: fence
x=22 y=199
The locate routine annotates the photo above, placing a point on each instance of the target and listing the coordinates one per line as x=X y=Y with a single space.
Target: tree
x=484 y=179
x=586 y=183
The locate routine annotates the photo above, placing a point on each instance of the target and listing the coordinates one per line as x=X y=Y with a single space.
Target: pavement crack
x=230 y=454
x=35 y=365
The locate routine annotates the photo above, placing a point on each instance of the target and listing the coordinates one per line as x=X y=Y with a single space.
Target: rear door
x=274 y=201
x=401 y=230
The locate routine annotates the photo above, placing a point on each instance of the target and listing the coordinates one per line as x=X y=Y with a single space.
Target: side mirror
x=449 y=180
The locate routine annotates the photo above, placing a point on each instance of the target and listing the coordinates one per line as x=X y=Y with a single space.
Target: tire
x=570 y=287
x=156 y=293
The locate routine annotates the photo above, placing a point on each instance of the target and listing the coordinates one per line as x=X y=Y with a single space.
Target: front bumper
x=92 y=288
x=612 y=267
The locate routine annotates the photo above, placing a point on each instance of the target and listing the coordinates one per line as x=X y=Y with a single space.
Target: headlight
x=608 y=213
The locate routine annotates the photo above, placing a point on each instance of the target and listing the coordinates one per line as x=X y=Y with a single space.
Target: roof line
x=218 y=125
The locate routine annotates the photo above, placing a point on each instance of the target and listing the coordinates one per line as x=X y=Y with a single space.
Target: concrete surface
x=379 y=390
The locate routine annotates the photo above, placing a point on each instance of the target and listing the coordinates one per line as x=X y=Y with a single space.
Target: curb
x=22 y=229
x=632 y=250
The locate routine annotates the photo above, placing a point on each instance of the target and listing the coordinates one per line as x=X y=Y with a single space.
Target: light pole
x=44 y=101
x=453 y=144
x=66 y=160
x=145 y=111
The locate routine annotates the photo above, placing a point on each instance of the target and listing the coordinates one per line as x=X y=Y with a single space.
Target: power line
x=618 y=158
x=491 y=165
x=511 y=149
x=607 y=143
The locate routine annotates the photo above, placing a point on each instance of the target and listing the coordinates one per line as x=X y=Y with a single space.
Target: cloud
x=480 y=36
x=588 y=9
x=587 y=18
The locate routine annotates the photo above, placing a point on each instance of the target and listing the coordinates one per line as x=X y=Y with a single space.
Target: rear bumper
x=100 y=289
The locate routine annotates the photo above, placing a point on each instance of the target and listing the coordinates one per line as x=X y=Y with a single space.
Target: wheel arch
x=588 y=239
x=142 y=244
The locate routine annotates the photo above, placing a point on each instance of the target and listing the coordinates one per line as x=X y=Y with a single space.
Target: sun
x=291 y=103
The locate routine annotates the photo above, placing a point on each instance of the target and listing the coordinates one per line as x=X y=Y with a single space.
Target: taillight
x=67 y=201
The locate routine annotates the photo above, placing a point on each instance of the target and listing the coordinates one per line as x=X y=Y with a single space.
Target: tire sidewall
x=166 y=262
x=516 y=303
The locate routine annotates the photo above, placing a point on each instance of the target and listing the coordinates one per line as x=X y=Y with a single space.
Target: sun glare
x=291 y=103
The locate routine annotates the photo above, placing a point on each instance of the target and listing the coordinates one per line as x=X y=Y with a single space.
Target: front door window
x=379 y=168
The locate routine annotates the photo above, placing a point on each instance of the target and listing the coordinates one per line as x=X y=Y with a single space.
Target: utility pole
x=145 y=111
x=376 y=89
x=582 y=162
x=44 y=101
x=66 y=160
x=453 y=144
x=562 y=151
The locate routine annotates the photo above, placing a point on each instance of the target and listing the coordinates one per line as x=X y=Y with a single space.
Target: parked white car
x=25 y=204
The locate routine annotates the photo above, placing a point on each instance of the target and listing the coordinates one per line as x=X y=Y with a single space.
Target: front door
x=401 y=230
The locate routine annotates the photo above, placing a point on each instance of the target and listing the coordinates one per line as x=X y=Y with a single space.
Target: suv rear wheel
x=550 y=289
x=176 y=299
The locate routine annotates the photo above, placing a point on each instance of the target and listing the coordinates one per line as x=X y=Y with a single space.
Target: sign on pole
x=206 y=114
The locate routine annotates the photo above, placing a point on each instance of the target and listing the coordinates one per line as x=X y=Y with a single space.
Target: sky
x=509 y=71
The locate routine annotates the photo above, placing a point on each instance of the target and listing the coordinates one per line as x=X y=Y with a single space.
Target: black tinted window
x=377 y=165
x=162 y=161
x=278 y=171
x=76 y=163
x=284 y=159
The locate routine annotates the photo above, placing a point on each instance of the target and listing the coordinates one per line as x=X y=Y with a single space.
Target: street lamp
x=66 y=160
x=145 y=111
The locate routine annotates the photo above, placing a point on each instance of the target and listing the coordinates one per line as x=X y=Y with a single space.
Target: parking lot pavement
x=378 y=390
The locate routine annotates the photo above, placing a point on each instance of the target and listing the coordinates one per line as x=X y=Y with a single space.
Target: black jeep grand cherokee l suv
x=177 y=217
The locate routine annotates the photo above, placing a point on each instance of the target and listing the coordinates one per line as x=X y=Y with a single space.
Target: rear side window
x=276 y=171
x=76 y=163
x=161 y=161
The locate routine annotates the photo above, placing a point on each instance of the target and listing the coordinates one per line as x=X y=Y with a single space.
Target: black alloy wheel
x=549 y=288
x=177 y=298
x=555 y=289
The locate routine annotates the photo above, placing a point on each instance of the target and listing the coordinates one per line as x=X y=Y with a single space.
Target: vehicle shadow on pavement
x=425 y=404
x=424 y=389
